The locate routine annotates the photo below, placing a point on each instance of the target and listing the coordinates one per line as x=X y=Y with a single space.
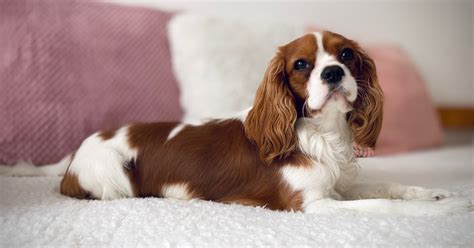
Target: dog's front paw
x=363 y=152
x=419 y=193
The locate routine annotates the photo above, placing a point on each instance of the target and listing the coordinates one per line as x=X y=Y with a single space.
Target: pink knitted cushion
x=410 y=120
x=70 y=68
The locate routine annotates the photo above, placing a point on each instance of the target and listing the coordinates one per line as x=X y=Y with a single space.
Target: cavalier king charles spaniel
x=292 y=150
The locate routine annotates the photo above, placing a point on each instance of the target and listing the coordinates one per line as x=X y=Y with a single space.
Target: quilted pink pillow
x=410 y=119
x=70 y=68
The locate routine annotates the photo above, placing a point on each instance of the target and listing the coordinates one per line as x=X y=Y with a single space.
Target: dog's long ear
x=366 y=118
x=270 y=123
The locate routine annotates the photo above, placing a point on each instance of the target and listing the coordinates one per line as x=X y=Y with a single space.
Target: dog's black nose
x=332 y=74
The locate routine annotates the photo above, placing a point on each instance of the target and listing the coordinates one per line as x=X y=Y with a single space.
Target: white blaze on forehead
x=318 y=90
x=320 y=51
x=323 y=58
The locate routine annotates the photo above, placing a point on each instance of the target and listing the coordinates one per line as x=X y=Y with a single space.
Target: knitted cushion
x=409 y=121
x=70 y=68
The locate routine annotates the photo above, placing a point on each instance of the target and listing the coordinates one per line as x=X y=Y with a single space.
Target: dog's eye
x=347 y=54
x=301 y=65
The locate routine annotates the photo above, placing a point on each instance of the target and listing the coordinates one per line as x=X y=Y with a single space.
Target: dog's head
x=316 y=73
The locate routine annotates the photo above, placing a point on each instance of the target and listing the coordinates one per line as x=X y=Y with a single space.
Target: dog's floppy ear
x=366 y=117
x=270 y=123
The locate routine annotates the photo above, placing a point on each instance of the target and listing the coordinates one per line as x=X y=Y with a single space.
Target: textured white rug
x=33 y=213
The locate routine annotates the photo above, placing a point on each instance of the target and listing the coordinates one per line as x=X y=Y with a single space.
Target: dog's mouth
x=339 y=94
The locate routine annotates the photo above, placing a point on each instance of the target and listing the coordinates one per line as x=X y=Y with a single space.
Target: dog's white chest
x=333 y=159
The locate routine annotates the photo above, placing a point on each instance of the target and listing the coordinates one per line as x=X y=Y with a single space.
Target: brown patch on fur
x=366 y=117
x=70 y=186
x=108 y=134
x=153 y=135
x=270 y=123
x=279 y=100
x=150 y=133
x=303 y=48
x=215 y=160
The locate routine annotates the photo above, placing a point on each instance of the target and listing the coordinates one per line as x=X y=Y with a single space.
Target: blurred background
x=437 y=34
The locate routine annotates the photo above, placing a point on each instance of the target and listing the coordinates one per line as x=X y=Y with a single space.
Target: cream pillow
x=219 y=62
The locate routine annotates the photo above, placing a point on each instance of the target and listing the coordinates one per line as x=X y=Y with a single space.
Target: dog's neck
x=326 y=138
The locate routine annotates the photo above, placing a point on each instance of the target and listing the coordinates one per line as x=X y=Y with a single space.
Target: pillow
x=410 y=120
x=70 y=68
x=229 y=58
x=219 y=62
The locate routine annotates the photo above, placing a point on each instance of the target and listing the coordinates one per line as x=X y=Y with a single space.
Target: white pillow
x=219 y=62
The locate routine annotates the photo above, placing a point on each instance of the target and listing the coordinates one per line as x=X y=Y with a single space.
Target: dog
x=291 y=151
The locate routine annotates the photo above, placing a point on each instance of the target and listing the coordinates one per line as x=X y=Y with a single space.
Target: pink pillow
x=410 y=120
x=70 y=68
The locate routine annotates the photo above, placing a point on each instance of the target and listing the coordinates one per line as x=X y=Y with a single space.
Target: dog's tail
x=27 y=169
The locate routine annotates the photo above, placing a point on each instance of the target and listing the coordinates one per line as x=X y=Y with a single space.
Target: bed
x=33 y=213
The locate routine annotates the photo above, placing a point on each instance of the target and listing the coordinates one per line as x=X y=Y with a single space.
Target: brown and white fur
x=291 y=151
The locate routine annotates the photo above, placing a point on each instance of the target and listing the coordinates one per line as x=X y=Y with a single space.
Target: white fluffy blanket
x=33 y=213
